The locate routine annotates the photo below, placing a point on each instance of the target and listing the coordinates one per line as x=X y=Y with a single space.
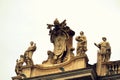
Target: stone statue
x=104 y=49
x=19 y=64
x=18 y=68
x=61 y=37
x=27 y=58
x=29 y=52
x=82 y=44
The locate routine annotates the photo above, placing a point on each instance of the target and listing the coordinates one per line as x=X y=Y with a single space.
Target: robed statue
x=104 y=49
x=60 y=34
x=81 y=44
x=29 y=53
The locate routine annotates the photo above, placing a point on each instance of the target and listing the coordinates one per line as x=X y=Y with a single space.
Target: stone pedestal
x=77 y=62
x=27 y=70
x=79 y=74
x=17 y=78
x=99 y=64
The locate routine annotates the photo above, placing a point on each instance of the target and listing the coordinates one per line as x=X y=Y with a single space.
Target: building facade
x=62 y=64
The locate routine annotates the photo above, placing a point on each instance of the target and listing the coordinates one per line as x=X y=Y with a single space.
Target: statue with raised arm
x=29 y=52
x=104 y=49
x=82 y=44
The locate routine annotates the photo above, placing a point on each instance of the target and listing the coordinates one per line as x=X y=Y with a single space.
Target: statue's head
x=21 y=56
x=31 y=43
x=104 y=38
x=81 y=33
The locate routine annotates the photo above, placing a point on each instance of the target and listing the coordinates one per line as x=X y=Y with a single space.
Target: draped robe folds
x=59 y=45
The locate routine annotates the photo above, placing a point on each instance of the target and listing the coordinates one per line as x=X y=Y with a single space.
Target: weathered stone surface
x=72 y=64
x=63 y=60
x=82 y=44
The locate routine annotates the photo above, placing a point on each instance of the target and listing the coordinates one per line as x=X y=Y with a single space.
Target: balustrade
x=112 y=67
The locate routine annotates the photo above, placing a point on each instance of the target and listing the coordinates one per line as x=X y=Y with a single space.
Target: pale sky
x=22 y=21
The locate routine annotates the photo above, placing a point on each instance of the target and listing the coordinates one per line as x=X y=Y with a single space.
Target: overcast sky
x=22 y=21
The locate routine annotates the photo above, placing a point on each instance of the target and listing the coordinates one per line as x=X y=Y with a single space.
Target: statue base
x=77 y=62
x=16 y=78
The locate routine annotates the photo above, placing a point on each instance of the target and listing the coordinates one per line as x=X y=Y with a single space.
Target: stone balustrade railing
x=111 y=68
